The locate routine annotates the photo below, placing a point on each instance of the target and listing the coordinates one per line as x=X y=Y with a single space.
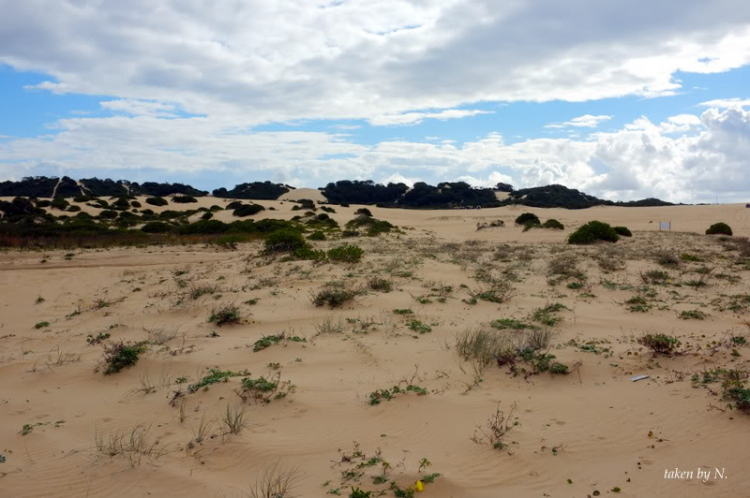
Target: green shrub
x=207 y=216
x=184 y=199
x=120 y=355
x=528 y=218
x=348 y=253
x=554 y=224
x=156 y=227
x=379 y=284
x=234 y=205
x=308 y=254
x=317 y=235
x=59 y=203
x=285 y=239
x=363 y=212
x=225 y=315
x=74 y=209
x=108 y=214
x=248 y=210
x=719 y=229
x=660 y=343
x=624 y=231
x=203 y=227
x=592 y=232
x=350 y=233
x=333 y=296
x=41 y=325
x=157 y=201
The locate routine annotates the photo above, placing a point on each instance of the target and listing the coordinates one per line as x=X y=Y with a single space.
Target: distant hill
x=460 y=194
x=445 y=195
x=41 y=186
x=552 y=196
x=256 y=190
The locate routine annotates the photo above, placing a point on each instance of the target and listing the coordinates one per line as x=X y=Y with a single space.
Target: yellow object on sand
x=419 y=486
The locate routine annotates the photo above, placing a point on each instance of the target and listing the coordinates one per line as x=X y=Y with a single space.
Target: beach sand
x=569 y=435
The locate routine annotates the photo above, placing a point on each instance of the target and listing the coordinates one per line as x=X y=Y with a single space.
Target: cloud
x=412 y=118
x=724 y=103
x=385 y=61
x=642 y=159
x=399 y=178
x=585 y=121
x=140 y=108
x=492 y=180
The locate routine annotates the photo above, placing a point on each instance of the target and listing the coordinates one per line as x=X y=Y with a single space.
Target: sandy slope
x=596 y=419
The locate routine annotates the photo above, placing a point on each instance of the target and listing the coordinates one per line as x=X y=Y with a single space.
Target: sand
x=590 y=430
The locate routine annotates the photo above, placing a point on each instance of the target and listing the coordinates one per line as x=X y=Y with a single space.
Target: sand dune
x=570 y=435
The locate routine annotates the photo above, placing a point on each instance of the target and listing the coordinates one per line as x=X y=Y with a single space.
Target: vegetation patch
x=214 y=377
x=225 y=315
x=348 y=253
x=660 y=344
x=592 y=232
x=719 y=229
x=269 y=340
x=121 y=355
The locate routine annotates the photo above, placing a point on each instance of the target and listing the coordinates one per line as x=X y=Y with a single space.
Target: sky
x=622 y=100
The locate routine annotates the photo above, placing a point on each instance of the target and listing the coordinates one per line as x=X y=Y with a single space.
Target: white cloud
x=492 y=180
x=386 y=61
x=585 y=121
x=412 y=118
x=399 y=178
x=725 y=103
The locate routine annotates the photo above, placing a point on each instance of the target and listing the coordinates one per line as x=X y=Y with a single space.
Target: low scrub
x=285 y=240
x=248 y=210
x=269 y=340
x=334 y=295
x=553 y=224
x=225 y=315
x=348 y=253
x=592 y=232
x=121 y=355
x=719 y=229
x=624 y=231
x=660 y=344
x=528 y=219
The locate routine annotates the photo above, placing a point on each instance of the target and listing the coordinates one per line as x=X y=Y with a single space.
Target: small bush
x=248 y=210
x=660 y=343
x=59 y=203
x=333 y=295
x=350 y=233
x=120 y=355
x=592 y=232
x=363 y=212
x=308 y=254
x=41 y=325
x=553 y=224
x=225 y=315
x=667 y=258
x=317 y=235
x=624 y=231
x=156 y=227
x=284 y=240
x=379 y=284
x=348 y=253
x=184 y=199
x=528 y=219
x=719 y=229
x=157 y=201
x=108 y=214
